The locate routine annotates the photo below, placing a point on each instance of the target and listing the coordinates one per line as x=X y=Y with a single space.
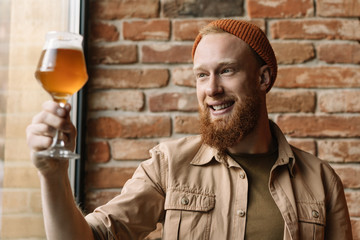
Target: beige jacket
x=197 y=196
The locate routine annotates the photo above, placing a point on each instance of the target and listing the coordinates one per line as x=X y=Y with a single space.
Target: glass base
x=58 y=153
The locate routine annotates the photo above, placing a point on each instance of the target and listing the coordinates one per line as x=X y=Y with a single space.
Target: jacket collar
x=286 y=155
x=206 y=154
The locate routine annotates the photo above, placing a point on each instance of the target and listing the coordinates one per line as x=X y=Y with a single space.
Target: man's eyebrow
x=227 y=63
x=220 y=64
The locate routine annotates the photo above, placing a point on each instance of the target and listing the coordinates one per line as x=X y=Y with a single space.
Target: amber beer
x=61 y=71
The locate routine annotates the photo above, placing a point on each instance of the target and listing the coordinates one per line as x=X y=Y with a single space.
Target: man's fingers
x=38 y=142
x=54 y=108
x=39 y=136
x=67 y=107
x=53 y=120
x=41 y=129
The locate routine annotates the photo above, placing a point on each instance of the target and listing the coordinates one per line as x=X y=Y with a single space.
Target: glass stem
x=58 y=140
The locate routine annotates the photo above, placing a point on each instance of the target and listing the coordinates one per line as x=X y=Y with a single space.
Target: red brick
x=316 y=29
x=120 y=9
x=318 y=77
x=280 y=8
x=108 y=177
x=183 y=76
x=130 y=127
x=355 y=225
x=340 y=101
x=339 y=150
x=173 y=102
x=184 y=29
x=101 y=31
x=353 y=201
x=293 y=52
x=166 y=53
x=339 y=52
x=187 y=124
x=331 y=8
x=320 y=126
x=116 y=100
x=96 y=199
x=137 y=30
x=305 y=145
x=128 y=78
x=290 y=101
x=123 y=149
x=349 y=175
x=98 y=152
x=201 y=8
x=113 y=54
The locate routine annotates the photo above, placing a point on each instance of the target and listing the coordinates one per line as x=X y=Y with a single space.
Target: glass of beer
x=62 y=72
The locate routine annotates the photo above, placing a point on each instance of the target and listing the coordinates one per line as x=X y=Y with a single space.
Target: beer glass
x=61 y=71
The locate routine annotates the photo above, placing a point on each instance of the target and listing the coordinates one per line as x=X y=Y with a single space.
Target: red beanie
x=253 y=36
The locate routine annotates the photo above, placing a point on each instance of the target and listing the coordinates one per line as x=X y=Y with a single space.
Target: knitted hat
x=253 y=36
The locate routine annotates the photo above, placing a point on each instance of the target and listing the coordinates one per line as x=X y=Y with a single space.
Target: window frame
x=77 y=23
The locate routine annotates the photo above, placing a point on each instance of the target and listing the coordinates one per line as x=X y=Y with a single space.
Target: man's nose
x=214 y=86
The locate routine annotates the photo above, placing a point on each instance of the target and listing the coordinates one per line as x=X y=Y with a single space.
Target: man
x=239 y=180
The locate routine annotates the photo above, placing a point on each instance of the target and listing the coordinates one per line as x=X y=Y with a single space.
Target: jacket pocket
x=188 y=214
x=312 y=220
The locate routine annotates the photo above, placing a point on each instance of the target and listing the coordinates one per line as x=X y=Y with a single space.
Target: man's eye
x=201 y=75
x=226 y=70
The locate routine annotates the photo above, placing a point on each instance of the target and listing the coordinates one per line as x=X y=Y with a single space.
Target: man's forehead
x=221 y=42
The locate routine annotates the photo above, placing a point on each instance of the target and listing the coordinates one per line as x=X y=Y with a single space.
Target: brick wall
x=141 y=88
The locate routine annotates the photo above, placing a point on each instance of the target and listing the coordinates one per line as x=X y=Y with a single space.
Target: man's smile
x=221 y=106
x=217 y=108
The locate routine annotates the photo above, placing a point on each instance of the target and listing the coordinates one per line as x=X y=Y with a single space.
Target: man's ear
x=265 y=80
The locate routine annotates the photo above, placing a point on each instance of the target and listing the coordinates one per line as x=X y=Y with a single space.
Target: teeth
x=222 y=106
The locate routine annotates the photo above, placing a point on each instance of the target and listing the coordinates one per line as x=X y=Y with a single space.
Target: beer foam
x=63 y=40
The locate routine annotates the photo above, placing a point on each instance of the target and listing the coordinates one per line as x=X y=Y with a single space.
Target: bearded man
x=239 y=179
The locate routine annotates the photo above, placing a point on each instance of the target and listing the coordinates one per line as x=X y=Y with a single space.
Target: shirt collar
x=286 y=155
x=206 y=154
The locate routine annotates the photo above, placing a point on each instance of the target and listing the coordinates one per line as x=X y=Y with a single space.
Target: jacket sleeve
x=338 y=225
x=135 y=212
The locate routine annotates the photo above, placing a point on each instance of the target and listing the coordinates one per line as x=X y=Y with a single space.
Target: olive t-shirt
x=263 y=220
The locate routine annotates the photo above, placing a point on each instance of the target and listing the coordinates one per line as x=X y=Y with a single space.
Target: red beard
x=225 y=132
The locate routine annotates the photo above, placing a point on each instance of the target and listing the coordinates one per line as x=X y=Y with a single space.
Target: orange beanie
x=253 y=36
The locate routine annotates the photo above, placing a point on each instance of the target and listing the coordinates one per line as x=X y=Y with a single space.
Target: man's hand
x=42 y=130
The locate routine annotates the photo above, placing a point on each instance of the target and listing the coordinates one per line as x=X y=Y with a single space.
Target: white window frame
x=74 y=26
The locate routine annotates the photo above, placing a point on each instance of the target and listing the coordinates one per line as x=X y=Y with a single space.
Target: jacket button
x=184 y=201
x=315 y=214
x=240 y=213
